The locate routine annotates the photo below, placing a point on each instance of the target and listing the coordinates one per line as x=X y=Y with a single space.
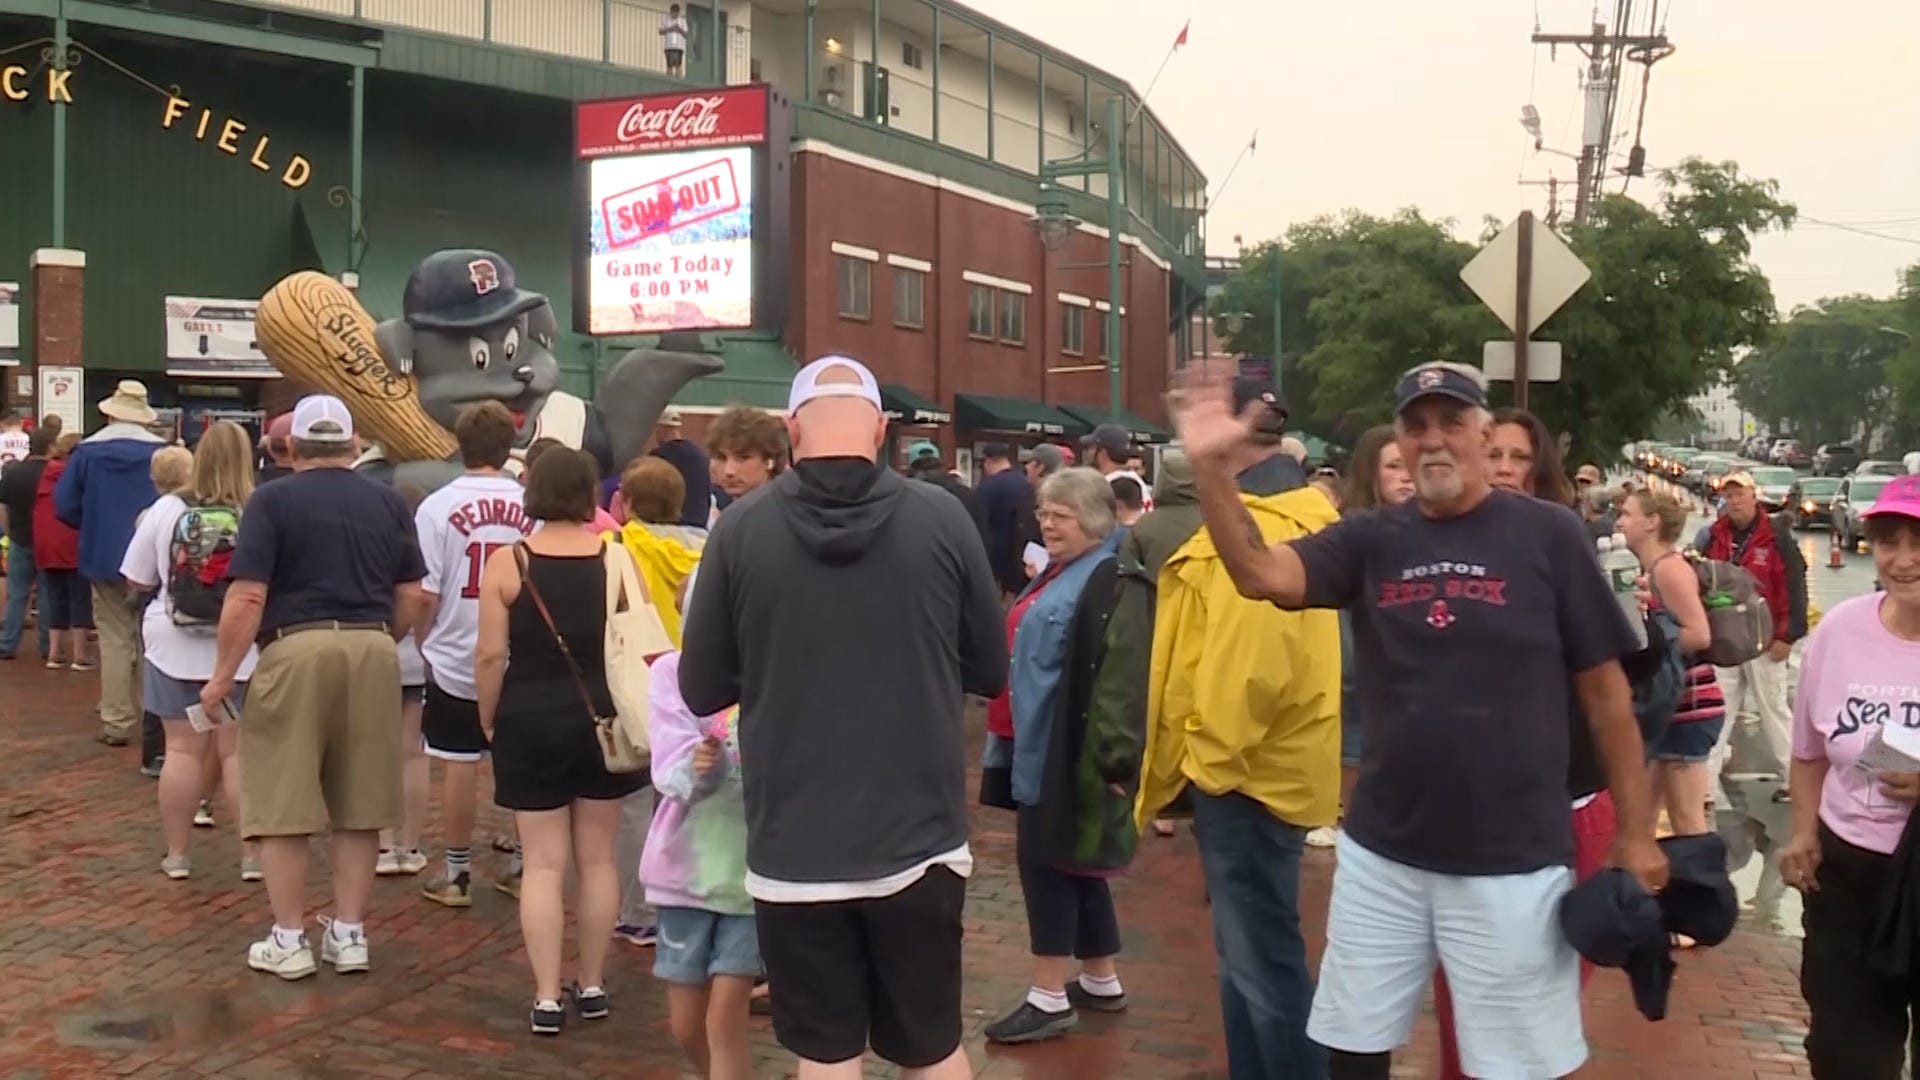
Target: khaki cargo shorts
x=320 y=735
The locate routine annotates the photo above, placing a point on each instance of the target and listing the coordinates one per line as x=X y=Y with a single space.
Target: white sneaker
x=398 y=863
x=296 y=963
x=1323 y=837
x=346 y=956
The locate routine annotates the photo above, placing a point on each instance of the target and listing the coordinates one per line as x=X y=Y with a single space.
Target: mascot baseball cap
x=833 y=376
x=324 y=412
x=464 y=289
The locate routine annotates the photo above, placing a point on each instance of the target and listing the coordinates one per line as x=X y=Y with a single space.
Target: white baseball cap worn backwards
x=844 y=377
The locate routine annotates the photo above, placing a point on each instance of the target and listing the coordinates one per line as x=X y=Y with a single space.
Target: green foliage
x=1903 y=368
x=1674 y=296
x=1825 y=371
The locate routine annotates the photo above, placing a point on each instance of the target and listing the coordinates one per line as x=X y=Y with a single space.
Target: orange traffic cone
x=1834 y=561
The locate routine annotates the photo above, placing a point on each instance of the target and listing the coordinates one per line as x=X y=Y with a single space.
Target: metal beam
x=59 y=152
x=45 y=9
x=161 y=24
x=936 y=73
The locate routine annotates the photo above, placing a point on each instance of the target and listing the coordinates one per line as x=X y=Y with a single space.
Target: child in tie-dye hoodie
x=695 y=872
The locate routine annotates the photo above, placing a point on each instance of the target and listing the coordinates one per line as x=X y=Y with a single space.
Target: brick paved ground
x=114 y=971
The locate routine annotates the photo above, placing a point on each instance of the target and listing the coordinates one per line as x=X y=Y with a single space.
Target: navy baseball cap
x=1248 y=390
x=1117 y=441
x=1438 y=380
x=464 y=289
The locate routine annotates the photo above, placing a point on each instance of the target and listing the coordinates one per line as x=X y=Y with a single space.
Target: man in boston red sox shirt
x=1478 y=615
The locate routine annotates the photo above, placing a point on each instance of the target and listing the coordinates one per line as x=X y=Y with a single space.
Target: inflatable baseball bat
x=314 y=330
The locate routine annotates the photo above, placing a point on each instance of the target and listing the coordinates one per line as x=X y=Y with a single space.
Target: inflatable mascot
x=467 y=333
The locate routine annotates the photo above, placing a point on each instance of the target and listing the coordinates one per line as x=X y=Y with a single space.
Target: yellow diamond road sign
x=1493 y=275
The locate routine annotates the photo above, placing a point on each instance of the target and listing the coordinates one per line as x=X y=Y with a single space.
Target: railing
x=622 y=32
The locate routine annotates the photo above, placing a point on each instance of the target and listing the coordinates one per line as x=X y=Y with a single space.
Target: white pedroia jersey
x=459 y=526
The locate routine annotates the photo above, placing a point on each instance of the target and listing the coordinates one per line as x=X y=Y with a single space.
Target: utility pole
x=1604 y=54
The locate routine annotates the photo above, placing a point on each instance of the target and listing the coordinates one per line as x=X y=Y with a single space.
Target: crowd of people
x=1292 y=658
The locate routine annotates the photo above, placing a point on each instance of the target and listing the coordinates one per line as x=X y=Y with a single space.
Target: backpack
x=1658 y=676
x=197 y=559
x=1737 y=614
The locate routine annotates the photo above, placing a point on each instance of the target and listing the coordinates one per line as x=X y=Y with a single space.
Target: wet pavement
x=119 y=972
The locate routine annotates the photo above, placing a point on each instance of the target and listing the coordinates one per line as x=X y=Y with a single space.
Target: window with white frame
x=909 y=297
x=980 y=311
x=1013 y=317
x=856 y=287
x=1073 y=329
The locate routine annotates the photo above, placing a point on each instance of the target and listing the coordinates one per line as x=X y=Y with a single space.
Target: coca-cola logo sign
x=732 y=117
x=691 y=118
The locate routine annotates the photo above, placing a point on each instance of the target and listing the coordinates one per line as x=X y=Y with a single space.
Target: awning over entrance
x=1144 y=431
x=984 y=412
x=905 y=406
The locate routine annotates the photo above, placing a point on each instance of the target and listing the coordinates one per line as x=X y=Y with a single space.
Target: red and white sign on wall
x=669 y=210
x=710 y=118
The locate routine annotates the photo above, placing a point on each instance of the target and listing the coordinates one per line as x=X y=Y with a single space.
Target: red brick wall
x=838 y=201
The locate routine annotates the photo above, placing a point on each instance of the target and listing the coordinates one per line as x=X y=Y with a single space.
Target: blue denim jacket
x=1037 y=662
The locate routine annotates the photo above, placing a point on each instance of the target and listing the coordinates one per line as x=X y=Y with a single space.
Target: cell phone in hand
x=204 y=721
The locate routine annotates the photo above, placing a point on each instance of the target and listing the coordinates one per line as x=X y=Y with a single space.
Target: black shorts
x=673 y=58
x=412 y=695
x=884 y=971
x=451 y=727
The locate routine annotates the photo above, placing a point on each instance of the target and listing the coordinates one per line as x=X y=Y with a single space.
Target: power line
x=1855 y=229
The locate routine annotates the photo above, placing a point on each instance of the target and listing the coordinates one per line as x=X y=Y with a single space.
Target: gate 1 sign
x=669 y=210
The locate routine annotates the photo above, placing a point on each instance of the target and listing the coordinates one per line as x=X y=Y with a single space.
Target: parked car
x=1677 y=459
x=1774 y=482
x=1654 y=457
x=1835 y=459
x=1716 y=472
x=1880 y=468
x=1811 y=501
x=1789 y=453
x=1856 y=494
x=1695 y=477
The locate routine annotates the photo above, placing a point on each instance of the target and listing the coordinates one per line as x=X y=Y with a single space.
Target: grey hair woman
x=1056 y=631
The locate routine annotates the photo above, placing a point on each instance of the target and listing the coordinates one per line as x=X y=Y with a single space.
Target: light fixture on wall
x=833 y=45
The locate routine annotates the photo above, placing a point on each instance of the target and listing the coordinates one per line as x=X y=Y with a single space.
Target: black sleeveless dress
x=544 y=752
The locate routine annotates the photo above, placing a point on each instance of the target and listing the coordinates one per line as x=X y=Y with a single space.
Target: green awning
x=1144 y=431
x=1025 y=416
x=905 y=406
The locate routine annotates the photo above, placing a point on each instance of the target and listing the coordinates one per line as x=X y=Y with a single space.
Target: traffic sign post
x=1523 y=276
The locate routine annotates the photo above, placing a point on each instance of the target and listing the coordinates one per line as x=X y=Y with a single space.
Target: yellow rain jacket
x=1243 y=696
x=666 y=556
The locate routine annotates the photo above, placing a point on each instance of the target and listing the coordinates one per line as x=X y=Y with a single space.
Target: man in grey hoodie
x=847 y=611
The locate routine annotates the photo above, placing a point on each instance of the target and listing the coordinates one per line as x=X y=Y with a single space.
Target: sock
x=344 y=932
x=1346 y=1065
x=1101 y=986
x=288 y=939
x=516 y=863
x=1046 y=1000
x=548 y=1004
x=459 y=861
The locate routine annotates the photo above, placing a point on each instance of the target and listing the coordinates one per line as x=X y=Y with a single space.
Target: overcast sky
x=1381 y=104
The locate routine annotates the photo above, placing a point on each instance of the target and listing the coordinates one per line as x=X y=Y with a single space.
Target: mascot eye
x=480 y=353
x=511 y=344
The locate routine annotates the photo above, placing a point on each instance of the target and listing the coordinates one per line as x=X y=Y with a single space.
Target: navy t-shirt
x=1468 y=631
x=328 y=544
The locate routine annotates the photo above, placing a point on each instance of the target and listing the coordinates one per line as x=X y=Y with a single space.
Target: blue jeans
x=1252 y=865
x=21 y=576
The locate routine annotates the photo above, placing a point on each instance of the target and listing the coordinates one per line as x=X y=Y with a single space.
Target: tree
x=1674 y=295
x=1825 y=374
x=1903 y=368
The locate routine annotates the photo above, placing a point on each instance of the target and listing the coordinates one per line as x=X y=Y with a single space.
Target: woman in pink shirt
x=1859 y=684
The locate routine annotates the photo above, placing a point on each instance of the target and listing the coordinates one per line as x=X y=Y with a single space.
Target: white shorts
x=1515 y=980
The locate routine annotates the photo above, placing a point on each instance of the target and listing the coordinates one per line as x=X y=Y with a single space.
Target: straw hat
x=129 y=403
